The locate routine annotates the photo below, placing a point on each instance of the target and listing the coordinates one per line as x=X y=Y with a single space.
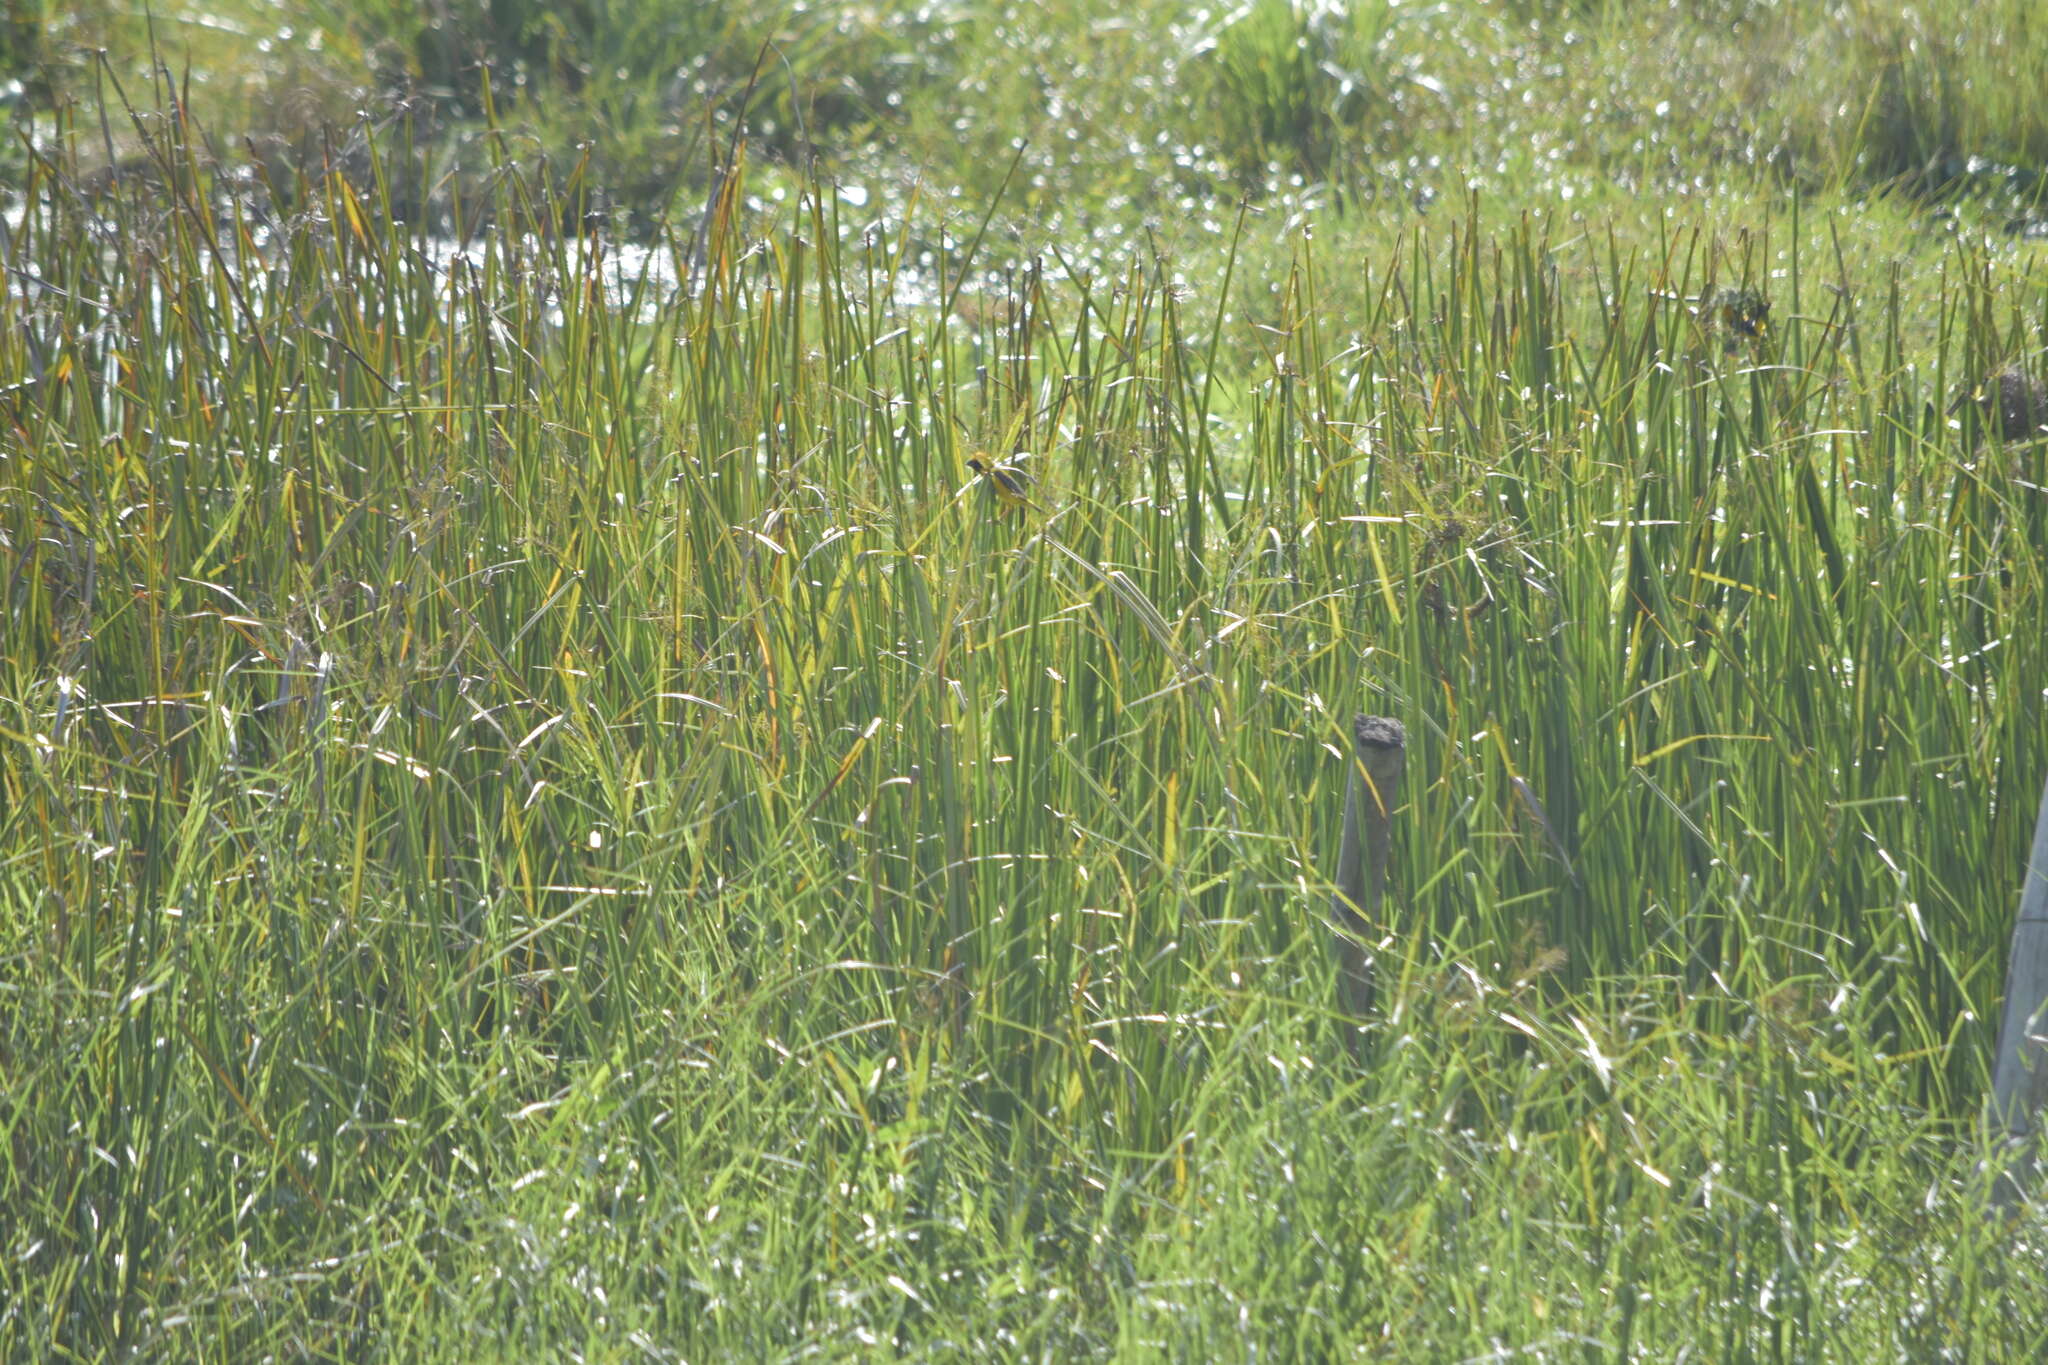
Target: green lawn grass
x=547 y=815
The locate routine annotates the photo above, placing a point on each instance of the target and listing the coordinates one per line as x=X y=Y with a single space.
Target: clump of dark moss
x=2014 y=404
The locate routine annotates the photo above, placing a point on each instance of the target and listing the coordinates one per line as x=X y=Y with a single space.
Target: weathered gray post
x=1380 y=754
x=2019 y=1082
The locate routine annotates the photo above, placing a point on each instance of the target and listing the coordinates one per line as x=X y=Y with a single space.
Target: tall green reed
x=500 y=743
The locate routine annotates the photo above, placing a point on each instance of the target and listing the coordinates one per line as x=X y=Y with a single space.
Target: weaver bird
x=1006 y=482
x=1743 y=312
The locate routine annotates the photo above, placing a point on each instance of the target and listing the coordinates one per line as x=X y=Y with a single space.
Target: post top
x=1378 y=733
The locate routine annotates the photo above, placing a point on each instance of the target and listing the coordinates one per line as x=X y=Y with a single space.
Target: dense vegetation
x=547 y=813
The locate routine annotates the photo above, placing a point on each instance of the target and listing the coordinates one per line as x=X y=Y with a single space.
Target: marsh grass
x=1128 y=114
x=544 y=815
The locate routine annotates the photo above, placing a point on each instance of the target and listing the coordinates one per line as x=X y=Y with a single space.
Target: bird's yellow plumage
x=1007 y=483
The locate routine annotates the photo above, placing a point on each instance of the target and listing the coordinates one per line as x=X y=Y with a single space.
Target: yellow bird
x=1006 y=482
x=1744 y=313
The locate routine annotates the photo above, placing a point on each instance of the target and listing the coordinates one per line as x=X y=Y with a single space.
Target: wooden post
x=1380 y=748
x=2019 y=1082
